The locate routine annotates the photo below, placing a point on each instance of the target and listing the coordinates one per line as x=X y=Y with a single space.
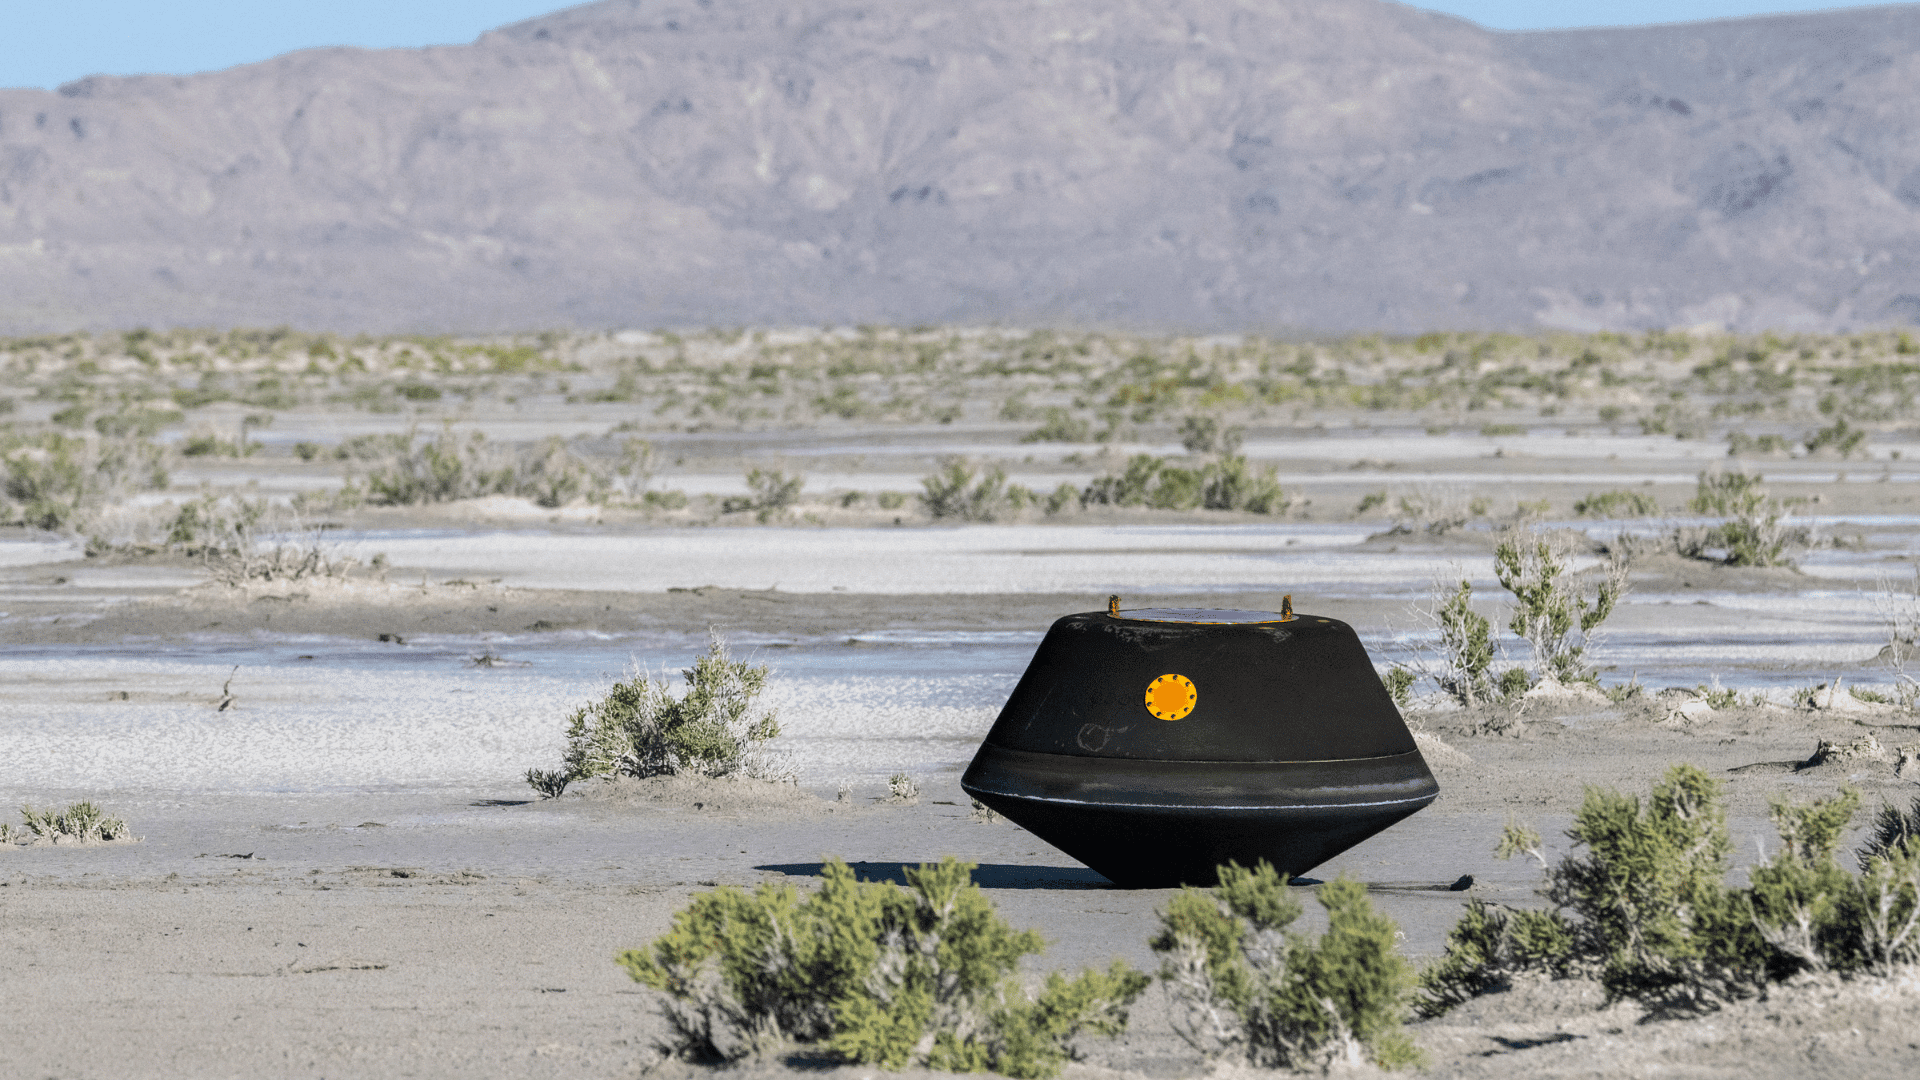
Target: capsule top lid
x=1203 y=616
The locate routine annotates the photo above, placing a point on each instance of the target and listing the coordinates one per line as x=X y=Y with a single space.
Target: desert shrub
x=871 y=973
x=1489 y=947
x=548 y=783
x=1551 y=612
x=1739 y=442
x=983 y=814
x=1650 y=894
x=1616 y=504
x=551 y=476
x=1399 y=683
x=1797 y=895
x=958 y=490
x=1840 y=436
x=139 y=421
x=902 y=789
x=1676 y=418
x=374 y=447
x=629 y=476
x=209 y=443
x=1242 y=985
x=770 y=493
x=1060 y=426
x=1885 y=908
x=1898 y=607
x=1892 y=828
x=642 y=729
x=56 y=481
x=1437 y=510
x=1717 y=696
x=1647 y=906
x=1513 y=682
x=1231 y=484
x=441 y=469
x=1462 y=666
x=1177 y=488
x=79 y=822
x=1226 y=484
x=1129 y=487
x=1206 y=435
x=213 y=524
x=1062 y=497
x=1466 y=647
x=409 y=471
x=226 y=534
x=1754 y=532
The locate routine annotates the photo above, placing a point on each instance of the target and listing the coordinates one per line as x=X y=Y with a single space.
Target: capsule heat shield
x=1154 y=745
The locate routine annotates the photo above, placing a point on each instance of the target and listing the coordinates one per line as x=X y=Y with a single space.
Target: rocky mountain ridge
x=1200 y=164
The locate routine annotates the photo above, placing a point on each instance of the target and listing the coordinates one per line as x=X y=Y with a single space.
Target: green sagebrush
x=1647 y=908
x=959 y=490
x=1466 y=646
x=56 y=482
x=642 y=729
x=1618 y=503
x=1551 y=613
x=81 y=821
x=1228 y=483
x=772 y=493
x=1754 y=530
x=1243 y=985
x=409 y=471
x=1463 y=669
x=871 y=973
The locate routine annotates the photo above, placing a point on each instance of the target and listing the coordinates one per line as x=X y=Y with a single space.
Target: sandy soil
x=410 y=935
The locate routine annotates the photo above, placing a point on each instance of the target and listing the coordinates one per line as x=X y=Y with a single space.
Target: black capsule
x=1154 y=745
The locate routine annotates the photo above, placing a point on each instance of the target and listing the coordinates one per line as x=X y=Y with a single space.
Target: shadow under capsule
x=986 y=875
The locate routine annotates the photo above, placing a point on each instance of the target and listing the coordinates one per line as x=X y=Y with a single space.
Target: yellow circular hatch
x=1171 y=697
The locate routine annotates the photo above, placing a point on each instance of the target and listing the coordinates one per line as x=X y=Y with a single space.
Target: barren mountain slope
x=1206 y=163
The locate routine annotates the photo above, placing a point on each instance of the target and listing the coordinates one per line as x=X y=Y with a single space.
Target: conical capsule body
x=1155 y=745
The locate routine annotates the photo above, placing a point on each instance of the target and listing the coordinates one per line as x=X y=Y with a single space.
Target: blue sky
x=48 y=42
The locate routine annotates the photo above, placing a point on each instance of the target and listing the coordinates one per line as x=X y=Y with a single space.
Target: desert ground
x=314 y=697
